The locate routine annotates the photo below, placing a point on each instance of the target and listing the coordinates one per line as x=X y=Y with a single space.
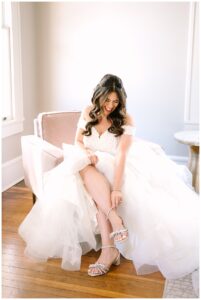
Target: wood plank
x=11 y=292
x=45 y=291
x=103 y=290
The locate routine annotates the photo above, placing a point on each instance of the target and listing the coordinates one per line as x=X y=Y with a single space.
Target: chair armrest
x=38 y=156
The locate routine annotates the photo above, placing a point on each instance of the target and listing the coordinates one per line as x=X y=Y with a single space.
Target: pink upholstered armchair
x=43 y=151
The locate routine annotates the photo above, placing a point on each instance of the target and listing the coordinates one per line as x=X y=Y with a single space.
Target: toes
x=121 y=236
x=94 y=271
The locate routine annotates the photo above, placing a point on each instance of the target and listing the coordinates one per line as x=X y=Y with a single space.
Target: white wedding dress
x=160 y=210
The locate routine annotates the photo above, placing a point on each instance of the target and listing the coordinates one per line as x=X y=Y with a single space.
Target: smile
x=108 y=109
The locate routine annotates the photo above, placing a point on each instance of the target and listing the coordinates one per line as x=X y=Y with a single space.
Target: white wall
x=12 y=171
x=192 y=72
x=30 y=100
x=143 y=43
x=11 y=147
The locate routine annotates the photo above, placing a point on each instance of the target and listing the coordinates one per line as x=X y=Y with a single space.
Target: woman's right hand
x=93 y=158
x=116 y=198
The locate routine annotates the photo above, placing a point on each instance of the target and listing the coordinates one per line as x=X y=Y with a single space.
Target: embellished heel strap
x=99 y=269
x=119 y=235
x=108 y=246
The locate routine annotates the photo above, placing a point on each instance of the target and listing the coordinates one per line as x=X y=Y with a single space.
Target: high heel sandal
x=122 y=233
x=102 y=269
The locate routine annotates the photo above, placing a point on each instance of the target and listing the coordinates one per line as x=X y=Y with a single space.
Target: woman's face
x=110 y=103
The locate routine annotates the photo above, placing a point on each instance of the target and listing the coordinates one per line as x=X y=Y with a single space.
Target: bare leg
x=99 y=188
x=105 y=228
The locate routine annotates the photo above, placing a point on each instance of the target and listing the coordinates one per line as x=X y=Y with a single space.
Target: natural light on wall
x=6 y=62
x=12 y=104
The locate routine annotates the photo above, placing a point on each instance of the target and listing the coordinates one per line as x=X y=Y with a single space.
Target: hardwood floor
x=23 y=278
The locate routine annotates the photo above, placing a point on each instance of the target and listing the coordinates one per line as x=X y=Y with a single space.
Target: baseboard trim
x=12 y=173
x=181 y=160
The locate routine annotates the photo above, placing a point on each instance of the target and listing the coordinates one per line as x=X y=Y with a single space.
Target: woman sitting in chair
x=120 y=188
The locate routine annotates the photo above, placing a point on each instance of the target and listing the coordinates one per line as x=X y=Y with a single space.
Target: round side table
x=191 y=138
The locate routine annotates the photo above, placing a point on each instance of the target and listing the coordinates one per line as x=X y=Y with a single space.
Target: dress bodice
x=106 y=142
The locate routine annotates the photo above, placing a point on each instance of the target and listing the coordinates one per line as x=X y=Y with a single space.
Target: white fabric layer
x=160 y=209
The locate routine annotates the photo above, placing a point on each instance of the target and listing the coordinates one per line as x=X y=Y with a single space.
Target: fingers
x=93 y=159
x=116 y=198
x=113 y=204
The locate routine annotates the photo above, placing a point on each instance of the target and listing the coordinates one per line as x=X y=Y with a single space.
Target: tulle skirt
x=160 y=210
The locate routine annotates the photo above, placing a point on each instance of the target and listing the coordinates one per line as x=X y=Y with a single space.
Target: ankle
x=109 y=252
x=114 y=219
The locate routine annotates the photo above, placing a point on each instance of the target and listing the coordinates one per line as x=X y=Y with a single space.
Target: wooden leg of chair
x=34 y=198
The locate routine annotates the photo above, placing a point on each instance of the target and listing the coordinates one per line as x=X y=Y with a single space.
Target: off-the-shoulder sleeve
x=129 y=130
x=81 y=123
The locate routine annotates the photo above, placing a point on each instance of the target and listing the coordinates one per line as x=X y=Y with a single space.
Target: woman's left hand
x=116 y=198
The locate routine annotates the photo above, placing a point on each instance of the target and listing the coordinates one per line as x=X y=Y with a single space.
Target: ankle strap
x=108 y=246
x=108 y=213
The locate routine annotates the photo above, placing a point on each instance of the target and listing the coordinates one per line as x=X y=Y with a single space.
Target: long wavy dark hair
x=109 y=83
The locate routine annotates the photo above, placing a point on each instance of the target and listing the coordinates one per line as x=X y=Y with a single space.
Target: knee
x=86 y=171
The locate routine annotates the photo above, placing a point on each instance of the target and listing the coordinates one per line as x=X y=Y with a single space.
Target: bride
x=117 y=187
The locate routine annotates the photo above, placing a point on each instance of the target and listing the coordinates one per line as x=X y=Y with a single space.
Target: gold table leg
x=193 y=165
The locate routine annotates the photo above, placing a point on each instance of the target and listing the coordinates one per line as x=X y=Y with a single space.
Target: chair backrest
x=57 y=127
